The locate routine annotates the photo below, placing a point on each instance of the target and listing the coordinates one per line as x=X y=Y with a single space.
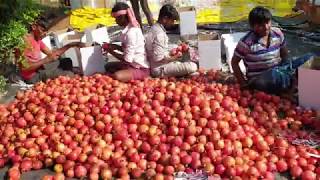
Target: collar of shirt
x=126 y=29
x=162 y=27
x=261 y=41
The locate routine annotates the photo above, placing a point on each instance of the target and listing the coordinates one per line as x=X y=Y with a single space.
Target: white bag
x=209 y=46
x=62 y=39
x=230 y=42
x=72 y=53
x=99 y=35
x=92 y=60
x=188 y=24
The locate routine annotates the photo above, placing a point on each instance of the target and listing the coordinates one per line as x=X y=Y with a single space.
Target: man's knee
x=192 y=67
x=179 y=69
x=189 y=67
x=68 y=73
x=56 y=73
x=109 y=68
x=124 y=75
x=156 y=72
x=112 y=67
x=117 y=75
x=120 y=76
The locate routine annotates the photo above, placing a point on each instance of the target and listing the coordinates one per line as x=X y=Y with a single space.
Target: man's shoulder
x=248 y=38
x=156 y=31
x=28 y=38
x=157 y=28
x=134 y=30
x=277 y=31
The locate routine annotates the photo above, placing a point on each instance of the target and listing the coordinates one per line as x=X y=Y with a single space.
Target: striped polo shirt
x=257 y=57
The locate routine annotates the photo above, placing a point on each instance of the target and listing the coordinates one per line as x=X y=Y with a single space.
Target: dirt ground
x=62 y=23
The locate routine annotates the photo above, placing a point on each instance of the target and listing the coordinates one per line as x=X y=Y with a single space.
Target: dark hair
x=119 y=6
x=168 y=11
x=40 y=21
x=259 y=15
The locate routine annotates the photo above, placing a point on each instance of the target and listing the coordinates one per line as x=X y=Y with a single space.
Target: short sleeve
x=282 y=40
x=129 y=49
x=241 y=50
x=131 y=41
x=281 y=36
x=160 y=49
x=42 y=45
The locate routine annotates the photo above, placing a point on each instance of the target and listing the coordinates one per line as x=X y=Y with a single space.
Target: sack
x=91 y=60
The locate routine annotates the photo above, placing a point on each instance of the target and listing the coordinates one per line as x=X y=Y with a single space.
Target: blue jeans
x=279 y=78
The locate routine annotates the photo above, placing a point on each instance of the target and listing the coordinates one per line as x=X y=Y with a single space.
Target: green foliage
x=7 y=9
x=3 y=84
x=15 y=15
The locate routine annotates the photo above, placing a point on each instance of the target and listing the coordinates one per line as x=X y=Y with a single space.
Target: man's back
x=156 y=44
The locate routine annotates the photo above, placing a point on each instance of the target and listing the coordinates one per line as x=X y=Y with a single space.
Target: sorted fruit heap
x=97 y=127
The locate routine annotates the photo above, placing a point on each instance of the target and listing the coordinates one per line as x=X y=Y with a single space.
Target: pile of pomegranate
x=100 y=128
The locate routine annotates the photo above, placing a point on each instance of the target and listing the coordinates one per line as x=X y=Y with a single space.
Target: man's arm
x=51 y=55
x=62 y=50
x=36 y=65
x=112 y=48
x=160 y=51
x=237 y=71
x=46 y=51
x=116 y=47
x=283 y=47
x=117 y=55
x=283 y=53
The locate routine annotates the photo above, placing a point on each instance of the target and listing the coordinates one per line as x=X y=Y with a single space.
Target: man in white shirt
x=161 y=63
x=133 y=64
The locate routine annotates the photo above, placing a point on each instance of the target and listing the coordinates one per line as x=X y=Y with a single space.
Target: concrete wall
x=50 y=3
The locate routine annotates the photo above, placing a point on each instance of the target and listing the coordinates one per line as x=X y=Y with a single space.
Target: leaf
x=15 y=17
x=3 y=83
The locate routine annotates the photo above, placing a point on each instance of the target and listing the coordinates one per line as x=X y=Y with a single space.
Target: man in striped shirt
x=261 y=49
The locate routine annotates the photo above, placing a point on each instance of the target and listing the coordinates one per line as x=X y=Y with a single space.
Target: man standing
x=145 y=7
